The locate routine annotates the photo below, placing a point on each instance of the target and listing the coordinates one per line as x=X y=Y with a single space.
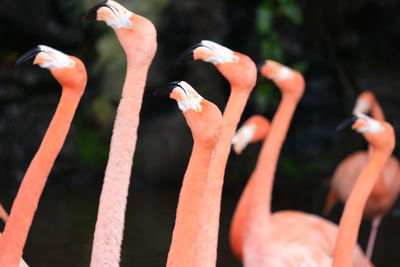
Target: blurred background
x=342 y=47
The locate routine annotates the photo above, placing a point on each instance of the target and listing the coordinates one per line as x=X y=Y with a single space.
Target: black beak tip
x=188 y=54
x=161 y=92
x=28 y=56
x=165 y=90
x=91 y=14
x=346 y=123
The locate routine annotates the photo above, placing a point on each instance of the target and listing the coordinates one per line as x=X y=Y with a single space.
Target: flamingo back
x=385 y=191
x=301 y=239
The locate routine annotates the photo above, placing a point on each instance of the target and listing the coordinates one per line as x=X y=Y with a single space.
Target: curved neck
x=262 y=179
x=353 y=210
x=111 y=214
x=186 y=222
x=207 y=238
x=24 y=207
x=264 y=173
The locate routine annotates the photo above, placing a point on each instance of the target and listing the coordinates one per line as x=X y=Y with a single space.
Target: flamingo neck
x=25 y=204
x=207 y=238
x=186 y=222
x=262 y=179
x=353 y=210
x=111 y=214
x=370 y=152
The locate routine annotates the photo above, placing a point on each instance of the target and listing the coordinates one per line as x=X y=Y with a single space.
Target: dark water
x=62 y=231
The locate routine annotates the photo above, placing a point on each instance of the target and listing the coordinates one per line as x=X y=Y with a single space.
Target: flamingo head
x=379 y=134
x=367 y=103
x=288 y=80
x=253 y=130
x=202 y=116
x=184 y=94
x=112 y=13
x=136 y=34
x=237 y=68
x=67 y=70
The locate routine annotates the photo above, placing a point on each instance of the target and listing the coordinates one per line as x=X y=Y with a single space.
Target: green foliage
x=291 y=11
x=90 y=148
x=271 y=46
x=103 y=111
x=301 y=66
x=289 y=167
x=264 y=18
x=263 y=95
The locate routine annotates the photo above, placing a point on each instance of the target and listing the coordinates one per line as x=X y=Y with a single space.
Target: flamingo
x=241 y=73
x=137 y=36
x=386 y=189
x=285 y=238
x=70 y=72
x=204 y=120
x=381 y=140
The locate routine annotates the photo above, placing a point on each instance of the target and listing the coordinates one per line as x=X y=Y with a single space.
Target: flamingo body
x=385 y=191
x=308 y=239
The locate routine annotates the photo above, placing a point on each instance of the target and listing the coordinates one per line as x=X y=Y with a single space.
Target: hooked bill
x=46 y=57
x=210 y=52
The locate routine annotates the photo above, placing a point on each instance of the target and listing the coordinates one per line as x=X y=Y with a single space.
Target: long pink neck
x=262 y=179
x=187 y=223
x=239 y=220
x=25 y=204
x=111 y=215
x=352 y=214
x=207 y=241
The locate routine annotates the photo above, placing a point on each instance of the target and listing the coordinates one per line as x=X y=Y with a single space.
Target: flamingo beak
x=346 y=123
x=209 y=51
x=242 y=138
x=366 y=124
x=183 y=93
x=91 y=14
x=112 y=13
x=188 y=54
x=28 y=56
x=47 y=57
x=166 y=90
